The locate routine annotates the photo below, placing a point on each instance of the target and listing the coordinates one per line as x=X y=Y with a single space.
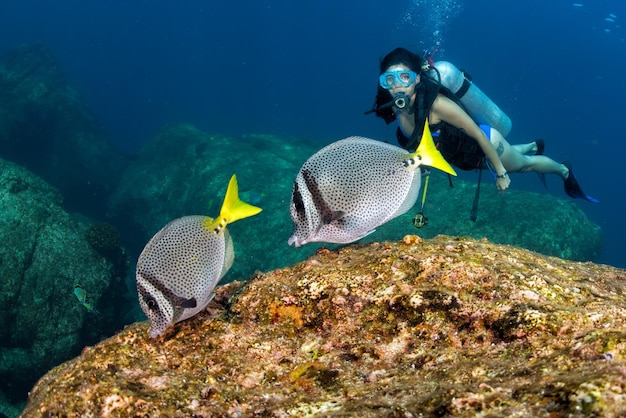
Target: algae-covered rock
x=46 y=127
x=441 y=327
x=184 y=171
x=44 y=253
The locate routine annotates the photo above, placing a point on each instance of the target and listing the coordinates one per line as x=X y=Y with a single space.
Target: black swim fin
x=572 y=188
x=541 y=146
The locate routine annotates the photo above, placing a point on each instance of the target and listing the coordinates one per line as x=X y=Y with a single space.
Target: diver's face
x=401 y=80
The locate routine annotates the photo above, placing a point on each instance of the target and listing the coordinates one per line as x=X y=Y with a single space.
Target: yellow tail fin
x=233 y=208
x=430 y=155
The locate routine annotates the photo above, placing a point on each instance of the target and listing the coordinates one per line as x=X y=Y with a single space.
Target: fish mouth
x=295 y=241
x=155 y=332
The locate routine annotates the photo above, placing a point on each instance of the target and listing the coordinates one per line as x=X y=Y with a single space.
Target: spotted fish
x=350 y=187
x=181 y=265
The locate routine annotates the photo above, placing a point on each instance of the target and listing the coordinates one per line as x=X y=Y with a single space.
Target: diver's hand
x=503 y=183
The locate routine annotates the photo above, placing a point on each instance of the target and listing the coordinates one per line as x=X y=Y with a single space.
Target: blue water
x=308 y=70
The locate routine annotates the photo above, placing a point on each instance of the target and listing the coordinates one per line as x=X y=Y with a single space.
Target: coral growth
x=440 y=327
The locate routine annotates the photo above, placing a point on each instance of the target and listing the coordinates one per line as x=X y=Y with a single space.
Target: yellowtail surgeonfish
x=83 y=297
x=350 y=187
x=181 y=265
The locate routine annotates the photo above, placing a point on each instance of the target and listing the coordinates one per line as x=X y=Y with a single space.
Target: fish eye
x=151 y=303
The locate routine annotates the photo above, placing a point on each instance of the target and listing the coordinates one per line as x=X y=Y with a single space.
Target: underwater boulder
x=46 y=127
x=45 y=253
x=437 y=327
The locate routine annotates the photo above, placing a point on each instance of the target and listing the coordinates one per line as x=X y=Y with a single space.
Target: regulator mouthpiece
x=401 y=100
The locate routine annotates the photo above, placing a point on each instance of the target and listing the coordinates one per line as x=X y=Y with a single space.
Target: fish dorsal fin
x=232 y=210
x=428 y=154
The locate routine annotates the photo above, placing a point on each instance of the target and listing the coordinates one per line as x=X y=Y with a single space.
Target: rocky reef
x=46 y=127
x=438 y=327
x=44 y=253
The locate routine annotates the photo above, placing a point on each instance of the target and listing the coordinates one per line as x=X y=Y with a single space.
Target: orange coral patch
x=289 y=311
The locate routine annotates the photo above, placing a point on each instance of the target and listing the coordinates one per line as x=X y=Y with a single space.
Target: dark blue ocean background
x=308 y=70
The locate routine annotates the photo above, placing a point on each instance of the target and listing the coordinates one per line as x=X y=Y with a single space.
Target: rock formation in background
x=46 y=127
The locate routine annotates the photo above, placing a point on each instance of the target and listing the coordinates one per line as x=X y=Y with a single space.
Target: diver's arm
x=446 y=110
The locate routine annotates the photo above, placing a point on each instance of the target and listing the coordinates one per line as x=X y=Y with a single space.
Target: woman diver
x=407 y=94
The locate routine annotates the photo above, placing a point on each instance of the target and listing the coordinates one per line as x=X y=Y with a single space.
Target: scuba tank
x=480 y=107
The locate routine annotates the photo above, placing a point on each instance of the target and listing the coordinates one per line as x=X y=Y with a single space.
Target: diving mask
x=403 y=77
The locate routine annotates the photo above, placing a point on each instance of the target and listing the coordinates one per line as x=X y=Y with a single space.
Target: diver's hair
x=395 y=57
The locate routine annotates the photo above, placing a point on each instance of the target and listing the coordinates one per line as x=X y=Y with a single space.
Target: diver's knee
x=496 y=136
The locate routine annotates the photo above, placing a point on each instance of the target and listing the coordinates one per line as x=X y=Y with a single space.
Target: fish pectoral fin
x=429 y=155
x=332 y=216
x=189 y=303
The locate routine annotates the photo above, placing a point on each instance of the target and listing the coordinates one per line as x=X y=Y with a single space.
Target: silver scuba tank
x=480 y=107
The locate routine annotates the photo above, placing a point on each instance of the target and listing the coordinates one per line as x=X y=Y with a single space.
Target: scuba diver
x=412 y=89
